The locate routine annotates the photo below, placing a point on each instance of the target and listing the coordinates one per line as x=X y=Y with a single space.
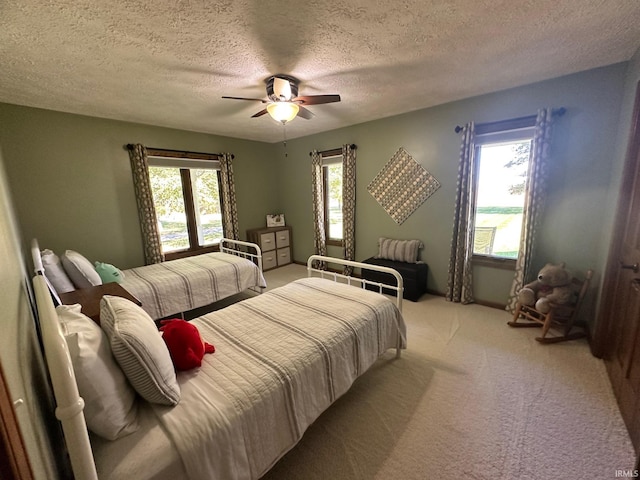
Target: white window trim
x=333 y=160
x=327 y=162
x=497 y=138
x=505 y=136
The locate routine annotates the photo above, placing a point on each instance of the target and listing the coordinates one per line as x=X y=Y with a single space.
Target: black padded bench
x=414 y=276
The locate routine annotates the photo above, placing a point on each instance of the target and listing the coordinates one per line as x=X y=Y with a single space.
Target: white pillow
x=80 y=270
x=140 y=350
x=54 y=271
x=110 y=409
x=399 y=250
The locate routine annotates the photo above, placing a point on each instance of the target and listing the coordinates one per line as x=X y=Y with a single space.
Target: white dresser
x=275 y=243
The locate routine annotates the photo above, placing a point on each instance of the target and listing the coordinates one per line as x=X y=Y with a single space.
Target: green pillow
x=108 y=273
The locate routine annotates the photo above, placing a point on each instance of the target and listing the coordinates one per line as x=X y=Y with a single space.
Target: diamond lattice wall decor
x=402 y=186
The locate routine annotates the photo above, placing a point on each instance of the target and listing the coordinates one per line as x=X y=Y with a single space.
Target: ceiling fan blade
x=282 y=88
x=317 y=99
x=251 y=99
x=304 y=113
x=260 y=113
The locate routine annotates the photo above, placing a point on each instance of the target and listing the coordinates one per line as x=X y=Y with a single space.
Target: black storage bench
x=414 y=276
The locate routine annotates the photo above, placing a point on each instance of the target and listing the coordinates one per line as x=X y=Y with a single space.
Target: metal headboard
x=38 y=268
x=69 y=404
x=398 y=288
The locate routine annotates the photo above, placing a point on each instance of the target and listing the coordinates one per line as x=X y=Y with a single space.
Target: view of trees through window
x=333 y=202
x=500 y=198
x=169 y=201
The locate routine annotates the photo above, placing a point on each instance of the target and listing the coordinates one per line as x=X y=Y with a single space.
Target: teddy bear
x=553 y=285
x=186 y=346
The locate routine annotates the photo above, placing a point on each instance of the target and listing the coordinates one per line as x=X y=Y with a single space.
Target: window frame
x=184 y=163
x=507 y=131
x=327 y=161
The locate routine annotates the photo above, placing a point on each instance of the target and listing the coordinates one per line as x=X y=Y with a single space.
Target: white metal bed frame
x=227 y=246
x=357 y=281
x=362 y=282
x=69 y=404
x=239 y=248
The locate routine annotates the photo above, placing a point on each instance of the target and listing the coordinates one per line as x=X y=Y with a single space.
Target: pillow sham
x=110 y=403
x=138 y=347
x=80 y=270
x=399 y=250
x=54 y=271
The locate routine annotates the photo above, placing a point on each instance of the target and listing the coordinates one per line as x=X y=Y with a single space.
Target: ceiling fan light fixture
x=283 y=112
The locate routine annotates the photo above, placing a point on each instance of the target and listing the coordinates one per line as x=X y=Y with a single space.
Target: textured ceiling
x=168 y=63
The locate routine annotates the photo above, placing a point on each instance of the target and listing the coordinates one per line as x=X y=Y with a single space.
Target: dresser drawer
x=282 y=239
x=268 y=241
x=284 y=256
x=276 y=244
x=269 y=260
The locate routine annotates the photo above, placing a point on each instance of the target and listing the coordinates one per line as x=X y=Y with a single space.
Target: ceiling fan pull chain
x=284 y=130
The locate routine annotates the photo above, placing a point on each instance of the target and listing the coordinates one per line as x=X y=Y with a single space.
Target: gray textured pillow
x=399 y=250
x=80 y=270
x=55 y=272
x=140 y=350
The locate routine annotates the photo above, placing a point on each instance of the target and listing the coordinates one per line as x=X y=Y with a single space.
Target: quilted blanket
x=177 y=286
x=281 y=359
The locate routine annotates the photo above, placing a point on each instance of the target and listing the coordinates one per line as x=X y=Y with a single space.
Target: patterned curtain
x=349 y=204
x=459 y=284
x=535 y=194
x=319 y=238
x=151 y=242
x=228 y=191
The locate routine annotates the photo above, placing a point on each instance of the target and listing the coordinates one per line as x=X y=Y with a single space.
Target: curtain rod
x=335 y=151
x=158 y=152
x=517 y=121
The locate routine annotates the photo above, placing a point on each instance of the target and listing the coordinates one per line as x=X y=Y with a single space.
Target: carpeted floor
x=470 y=398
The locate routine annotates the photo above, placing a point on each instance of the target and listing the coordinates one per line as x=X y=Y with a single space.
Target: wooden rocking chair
x=560 y=316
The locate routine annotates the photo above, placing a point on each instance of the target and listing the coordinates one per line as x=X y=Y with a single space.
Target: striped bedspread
x=281 y=359
x=176 y=286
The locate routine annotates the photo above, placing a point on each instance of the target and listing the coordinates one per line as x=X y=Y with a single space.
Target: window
x=186 y=197
x=502 y=161
x=332 y=178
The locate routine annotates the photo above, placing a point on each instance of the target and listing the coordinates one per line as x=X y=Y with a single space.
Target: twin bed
x=281 y=359
x=174 y=287
x=177 y=286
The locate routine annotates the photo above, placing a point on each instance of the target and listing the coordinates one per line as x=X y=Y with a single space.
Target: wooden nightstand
x=90 y=298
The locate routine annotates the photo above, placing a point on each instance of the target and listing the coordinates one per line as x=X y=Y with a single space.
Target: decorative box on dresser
x=275 y=243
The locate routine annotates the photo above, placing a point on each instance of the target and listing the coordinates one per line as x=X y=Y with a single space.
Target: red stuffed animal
x=186 y=346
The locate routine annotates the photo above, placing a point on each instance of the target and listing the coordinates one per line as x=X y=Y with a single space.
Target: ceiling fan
x=283 y=102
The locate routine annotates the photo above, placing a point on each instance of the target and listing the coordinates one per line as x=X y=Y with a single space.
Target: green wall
x=68 y=182
x=20 y=356
x=71 y=179
x=618 y=157
x=585 y=138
